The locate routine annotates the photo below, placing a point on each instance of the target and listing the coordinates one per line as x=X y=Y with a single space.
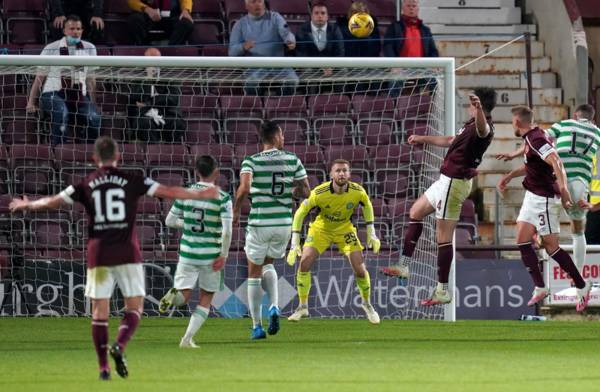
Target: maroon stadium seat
x=338 y=7
x=356 y=155
x=215 y=50
x=200 y=106
x=179 y=51
x=393 y=184
x=202 y=131
x=32 y=155
x=206 y=33
x=129 y=50
x=333 y=132
x=241 y=106
x=148 y=234
x=170 y=177
x=376 y=133
x=238 y=238
x=244 y=150
x=242 y=132
x=17 y=129
x=286 y=106
x=294 y=133
x=74 y=154
x=311 y=156
x=115 y=19
x=223 y=153
x=168 y=155
x=5 y=181
x=383 y=10
x=25 y=21
x=50 y=234
x=372 y=106
x=234 y=10
x=132 y=154
x=390 y=156
x=328 y=105
x=412 y=106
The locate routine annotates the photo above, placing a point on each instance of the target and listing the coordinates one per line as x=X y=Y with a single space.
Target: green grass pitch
x=51 y=354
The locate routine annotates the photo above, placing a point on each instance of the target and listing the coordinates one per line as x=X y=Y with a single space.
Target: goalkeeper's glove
x=372 y=240
x=295 y=249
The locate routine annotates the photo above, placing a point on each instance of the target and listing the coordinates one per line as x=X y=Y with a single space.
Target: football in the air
x=361 y=25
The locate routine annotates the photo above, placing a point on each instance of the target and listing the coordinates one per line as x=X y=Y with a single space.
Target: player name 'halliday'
x=108 y=179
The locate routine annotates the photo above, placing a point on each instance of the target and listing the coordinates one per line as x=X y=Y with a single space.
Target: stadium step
x=480 y=31
x=543 y=113
x=471 y=16
x=467 y=3
x=478 y=48
x=491 y=64
x=545 y=96
x=539 y=80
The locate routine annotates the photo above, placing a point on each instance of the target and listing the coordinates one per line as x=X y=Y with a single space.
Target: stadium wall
x=560 y=27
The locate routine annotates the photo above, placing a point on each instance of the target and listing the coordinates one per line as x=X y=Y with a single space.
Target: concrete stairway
x=467 y=29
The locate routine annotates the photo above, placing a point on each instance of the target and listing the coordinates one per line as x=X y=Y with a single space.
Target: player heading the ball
x=336 y=201
x=110 y=197
x=447 y=195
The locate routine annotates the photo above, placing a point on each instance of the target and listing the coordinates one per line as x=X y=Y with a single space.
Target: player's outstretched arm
x=46 y=203
x=440 y=141
x=502 y=184
x=482 y=127
x=561 y=178
x=177 y=192
x=509 y=156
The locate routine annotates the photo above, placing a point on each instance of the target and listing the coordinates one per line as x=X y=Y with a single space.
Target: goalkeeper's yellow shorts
x=346 y=240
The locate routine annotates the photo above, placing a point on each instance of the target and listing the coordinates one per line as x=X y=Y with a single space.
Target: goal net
x=165 y=111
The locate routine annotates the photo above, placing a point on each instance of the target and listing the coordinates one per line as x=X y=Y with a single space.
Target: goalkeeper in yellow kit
x=336 y=200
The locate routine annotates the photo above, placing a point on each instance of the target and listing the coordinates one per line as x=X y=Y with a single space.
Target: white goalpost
x=360 y=109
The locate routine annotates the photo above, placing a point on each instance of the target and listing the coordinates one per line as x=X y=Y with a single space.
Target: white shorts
x=579 y=190
x=447 y=196
x=542 y=212
x=264 y=242
x=100 y=282
x=187 y=275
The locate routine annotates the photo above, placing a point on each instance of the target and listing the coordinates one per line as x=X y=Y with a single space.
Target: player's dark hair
x=339 y=162
x=105 y=148
x=72 y=18
x=487 y=96
x=524 y=113
x=205 y=165
x=268 y=130
x=587 y=111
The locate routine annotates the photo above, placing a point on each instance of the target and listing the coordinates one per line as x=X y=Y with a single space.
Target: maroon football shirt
x=466 y=151
x=539 y=176
x=110 y=197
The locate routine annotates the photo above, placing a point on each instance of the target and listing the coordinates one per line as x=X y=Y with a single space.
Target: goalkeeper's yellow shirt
x=335 y=210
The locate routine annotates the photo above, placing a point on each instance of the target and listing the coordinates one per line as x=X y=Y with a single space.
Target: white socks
x=198 y=318
x=579 y=245
x=269 y=283
x=255 y=294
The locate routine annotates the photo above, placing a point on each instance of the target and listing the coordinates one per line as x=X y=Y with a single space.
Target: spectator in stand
x=359 y=47
x=90 y=12
x=409 y=37
x=263 y=33
x=319 y=38
x=171 y=16
x=67 y=90
x=153 y=109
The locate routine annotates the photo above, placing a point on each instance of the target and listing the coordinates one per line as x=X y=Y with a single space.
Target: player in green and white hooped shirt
x=271 y=178
x=577 y=141
x=203 y=248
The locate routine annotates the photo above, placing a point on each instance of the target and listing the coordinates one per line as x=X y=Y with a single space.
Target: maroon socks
x=100 y=337
x=566 y=263
x=129 y=324
x=411 y=237
x=531 y=263
x=445 y=254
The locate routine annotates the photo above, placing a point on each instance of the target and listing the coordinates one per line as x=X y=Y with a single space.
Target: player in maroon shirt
x=447 y=195
x=110 y=197
x=546 y=188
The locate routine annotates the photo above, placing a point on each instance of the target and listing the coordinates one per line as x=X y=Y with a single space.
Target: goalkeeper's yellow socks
x=303 y=282
x=364 y=286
